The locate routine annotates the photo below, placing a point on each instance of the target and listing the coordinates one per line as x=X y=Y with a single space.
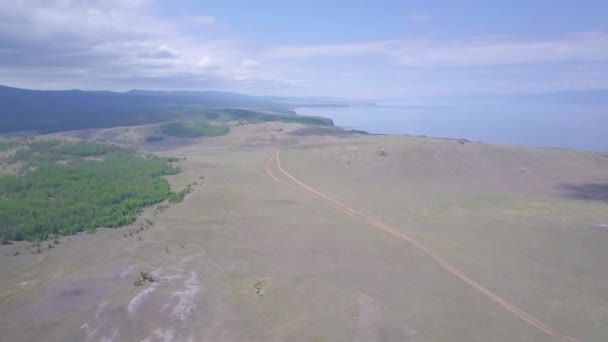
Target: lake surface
x=575 y=127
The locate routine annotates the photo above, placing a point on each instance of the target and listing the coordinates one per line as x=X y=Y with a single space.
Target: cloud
x=77 y=34
x=501 y=51
x=249 y=63
x=93 y=42
x=586 y=46
x=203 y=20
x=207 y=63
x=162 y=52
x=121 y=44
x=327 y=50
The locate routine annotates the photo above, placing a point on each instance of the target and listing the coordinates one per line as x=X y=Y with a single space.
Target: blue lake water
x=575 y=127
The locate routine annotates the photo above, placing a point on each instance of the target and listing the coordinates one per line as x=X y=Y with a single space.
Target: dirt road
x=295 y=184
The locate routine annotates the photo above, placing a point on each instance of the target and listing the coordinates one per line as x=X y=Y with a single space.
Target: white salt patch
x=167 y=335
x=88 y=331
x=129 y=271
x=111 y=338
x=139 y=299
x=187 y=299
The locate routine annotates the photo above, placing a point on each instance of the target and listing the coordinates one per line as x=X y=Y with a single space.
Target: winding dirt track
x=298 y=185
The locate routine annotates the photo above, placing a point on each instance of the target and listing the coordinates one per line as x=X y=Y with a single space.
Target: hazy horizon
x=539 y=125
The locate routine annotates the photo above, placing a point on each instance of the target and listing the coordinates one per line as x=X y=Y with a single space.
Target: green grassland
x=202 y=127
x=8 y=144
x=189 y=129
x=65 y=188
x=253 y=116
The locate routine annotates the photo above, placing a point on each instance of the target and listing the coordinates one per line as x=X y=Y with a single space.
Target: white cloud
x=327 y=50
x=501 y=51
x=586 y=46
x=249 y=63
x=124 y=43
x=206 y=63
x=203 y=20
x=162 y=52
x=96 y=41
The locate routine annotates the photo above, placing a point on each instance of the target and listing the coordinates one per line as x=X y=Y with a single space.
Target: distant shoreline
x=522 y=125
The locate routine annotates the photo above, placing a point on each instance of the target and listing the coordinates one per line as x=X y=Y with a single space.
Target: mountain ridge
x=60 y=110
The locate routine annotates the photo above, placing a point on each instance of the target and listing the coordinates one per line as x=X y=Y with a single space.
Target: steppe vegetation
x=193 y=129
x=254 y=116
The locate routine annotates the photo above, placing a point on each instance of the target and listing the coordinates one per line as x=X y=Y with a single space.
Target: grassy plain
x=247 y=258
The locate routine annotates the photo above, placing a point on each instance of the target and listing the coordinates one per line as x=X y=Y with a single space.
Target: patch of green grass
x=153 y=138
x=230 y=114
x=193 y=129
x=178 y=197
x=8 y=144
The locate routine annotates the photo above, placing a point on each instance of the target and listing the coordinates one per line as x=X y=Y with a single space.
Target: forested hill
x=52 y=111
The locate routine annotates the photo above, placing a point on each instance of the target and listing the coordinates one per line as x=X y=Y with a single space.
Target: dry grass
x=253 y=260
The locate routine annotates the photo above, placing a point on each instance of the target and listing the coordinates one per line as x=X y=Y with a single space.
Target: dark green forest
x=71 y=187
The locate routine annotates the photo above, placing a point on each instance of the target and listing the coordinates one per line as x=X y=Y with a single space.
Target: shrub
x=153 y=138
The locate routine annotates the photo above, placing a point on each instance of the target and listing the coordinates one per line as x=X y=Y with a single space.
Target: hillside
x=55 y=111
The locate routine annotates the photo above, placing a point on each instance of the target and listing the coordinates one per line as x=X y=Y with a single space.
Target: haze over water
x=582 y=127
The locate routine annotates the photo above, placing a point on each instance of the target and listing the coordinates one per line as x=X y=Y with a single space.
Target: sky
x=359 y=49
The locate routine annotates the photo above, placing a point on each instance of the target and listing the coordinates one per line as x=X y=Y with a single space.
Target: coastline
x=514 y=126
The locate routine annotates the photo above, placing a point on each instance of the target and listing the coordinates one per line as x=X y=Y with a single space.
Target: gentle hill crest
x=61 y=110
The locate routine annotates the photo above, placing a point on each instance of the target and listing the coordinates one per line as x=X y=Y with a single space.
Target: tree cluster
x=66 y=191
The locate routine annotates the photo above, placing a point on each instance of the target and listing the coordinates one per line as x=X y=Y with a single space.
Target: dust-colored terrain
x=252 y=254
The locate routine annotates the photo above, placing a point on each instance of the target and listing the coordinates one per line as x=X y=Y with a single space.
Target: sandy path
x=359 y=216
